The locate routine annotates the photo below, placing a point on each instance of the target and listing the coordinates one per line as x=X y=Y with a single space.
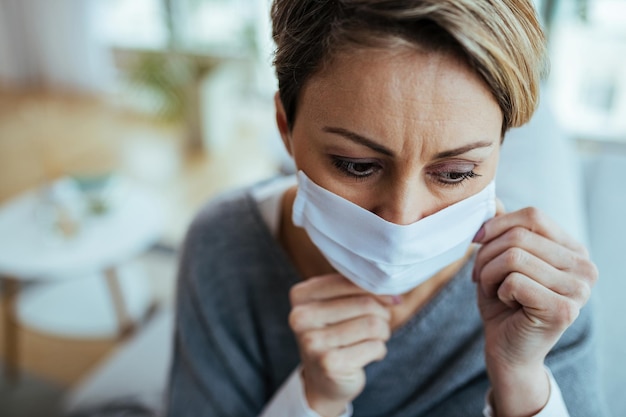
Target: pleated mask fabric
x=383 y=257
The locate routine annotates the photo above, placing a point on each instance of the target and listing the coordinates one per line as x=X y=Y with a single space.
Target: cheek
x=301 y=148
x=315 y=164
x=306 y=159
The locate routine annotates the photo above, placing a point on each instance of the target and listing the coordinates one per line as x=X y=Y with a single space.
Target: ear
x=281 y=122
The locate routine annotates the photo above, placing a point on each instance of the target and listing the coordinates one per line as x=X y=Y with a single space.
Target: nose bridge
x=404 y=202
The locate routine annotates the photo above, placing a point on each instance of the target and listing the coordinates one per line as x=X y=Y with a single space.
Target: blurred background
x=119 y=118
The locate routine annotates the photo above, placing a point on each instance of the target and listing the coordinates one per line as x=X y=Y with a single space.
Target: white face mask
x=383 y=257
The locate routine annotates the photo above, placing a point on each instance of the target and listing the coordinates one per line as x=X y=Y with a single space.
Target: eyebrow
x=463 y=149
x=362 y=140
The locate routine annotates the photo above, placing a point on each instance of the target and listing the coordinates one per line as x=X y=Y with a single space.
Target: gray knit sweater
x=234 y=348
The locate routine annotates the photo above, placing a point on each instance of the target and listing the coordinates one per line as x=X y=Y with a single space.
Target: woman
x=357 y=291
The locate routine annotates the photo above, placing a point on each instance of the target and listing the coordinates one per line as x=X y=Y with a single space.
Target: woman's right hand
x=340 y=328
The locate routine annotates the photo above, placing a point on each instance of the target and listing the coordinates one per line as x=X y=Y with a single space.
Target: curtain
x=52 y=45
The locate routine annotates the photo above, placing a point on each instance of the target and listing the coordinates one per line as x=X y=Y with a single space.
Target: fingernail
x=480 y=234
x=396 y=299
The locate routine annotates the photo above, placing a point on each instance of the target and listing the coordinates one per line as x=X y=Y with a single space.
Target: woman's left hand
x=532 y=279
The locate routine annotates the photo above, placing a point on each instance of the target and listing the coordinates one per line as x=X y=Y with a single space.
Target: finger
x=330 y=286
x=554 y=254
x=500 y=210
x=532 y=219
x=540 y=305
x=318 y=314
x=323 y=287
x=576 y=286
x=516 y=260
x=345 y=360
x=345 y=334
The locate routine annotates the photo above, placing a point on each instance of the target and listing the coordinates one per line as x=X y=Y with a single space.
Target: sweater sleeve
x=218 y=366
x=291 y=401
x=573 y=363
x=555 y=406
x=204 y=377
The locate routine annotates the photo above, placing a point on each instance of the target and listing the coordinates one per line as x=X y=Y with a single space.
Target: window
x=588 y=74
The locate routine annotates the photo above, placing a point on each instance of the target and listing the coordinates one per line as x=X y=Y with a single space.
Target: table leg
x=10 y=292
x=126 y=325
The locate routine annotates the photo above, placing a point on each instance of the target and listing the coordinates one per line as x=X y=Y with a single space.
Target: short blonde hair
x=501 y=40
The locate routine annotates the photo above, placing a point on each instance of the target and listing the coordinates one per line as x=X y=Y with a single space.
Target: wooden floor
x=45 y=136
x=58 y=360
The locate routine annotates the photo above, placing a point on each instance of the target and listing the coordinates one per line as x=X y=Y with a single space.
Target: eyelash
x=346 y=167
x=463 y=176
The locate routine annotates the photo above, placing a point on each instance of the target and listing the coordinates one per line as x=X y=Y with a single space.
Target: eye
x=453 y=175
x=356 y=168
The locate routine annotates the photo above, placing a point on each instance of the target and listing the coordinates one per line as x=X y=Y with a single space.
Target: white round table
x=79 y=291
x=29 y=249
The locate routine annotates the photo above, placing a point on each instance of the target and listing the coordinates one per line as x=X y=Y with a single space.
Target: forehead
x=391 y=92
x=401 y=72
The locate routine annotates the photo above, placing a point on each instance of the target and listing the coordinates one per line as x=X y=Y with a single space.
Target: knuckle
x=367 y=303
x=508 y=286
x=330 y=362
x=581 y=292
x=567 y=312
x=582 y=249
x=591 y=272
x=376 y=327
x=372 y=323
x=517 y=236
x=311 y=342
x=587 y=269
x=370 y=305
x=594 y=273
x=580 y=263
x=385 y=333
x=534 y=215
x=294 y=295
x=513 y=257
x=297 y=318
x=381 y=350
